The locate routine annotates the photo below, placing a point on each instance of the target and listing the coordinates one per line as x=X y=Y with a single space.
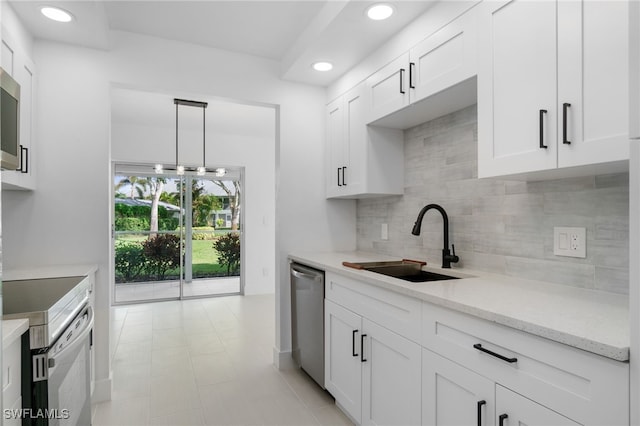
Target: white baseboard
x=101 y=391
x=283 y=360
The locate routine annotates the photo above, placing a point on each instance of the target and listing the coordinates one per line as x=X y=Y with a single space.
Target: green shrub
x=201 y=233
x=228 y=247
x=132 y=224
x=163 y=253
x=124 y=210
x=168 y=224
x=130 y=261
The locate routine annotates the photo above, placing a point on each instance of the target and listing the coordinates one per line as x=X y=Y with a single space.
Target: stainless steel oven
x=56 y=362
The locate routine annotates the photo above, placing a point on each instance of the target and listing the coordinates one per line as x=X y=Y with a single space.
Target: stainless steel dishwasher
x=307 y=319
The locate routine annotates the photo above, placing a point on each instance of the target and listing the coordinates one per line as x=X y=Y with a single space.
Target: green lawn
x=204 y=260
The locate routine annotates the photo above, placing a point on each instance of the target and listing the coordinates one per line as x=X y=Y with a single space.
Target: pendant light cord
x=176 y=134
x=204 y=128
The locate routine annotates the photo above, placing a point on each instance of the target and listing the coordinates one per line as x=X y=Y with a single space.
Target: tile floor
x=206 y=362
x=132 y=292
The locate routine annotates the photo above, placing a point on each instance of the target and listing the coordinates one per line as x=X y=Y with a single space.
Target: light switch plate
x=570 y=242
x=384 y=232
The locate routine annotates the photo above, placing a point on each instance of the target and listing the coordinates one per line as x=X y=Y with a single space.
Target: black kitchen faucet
x=447 y=257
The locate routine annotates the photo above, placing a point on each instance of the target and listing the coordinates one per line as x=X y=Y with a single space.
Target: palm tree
x=136 y=183
x=156 y=186
x=234 y=201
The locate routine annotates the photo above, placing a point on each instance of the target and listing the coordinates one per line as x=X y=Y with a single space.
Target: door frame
x=181 y=296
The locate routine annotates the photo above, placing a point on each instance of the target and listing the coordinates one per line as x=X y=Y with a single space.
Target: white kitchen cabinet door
x=593 y=82
x=391 y=380
x=444 y=59
x=522 y=411
x=517 y=87
x=23 y=70
x=453 y=395
x=343 y=365
x=362 y=160
x=354 y=174
x=336 y=157
x=388 y=88
x=347 y=143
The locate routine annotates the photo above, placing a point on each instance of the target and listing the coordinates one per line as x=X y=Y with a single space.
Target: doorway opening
x=176 y=236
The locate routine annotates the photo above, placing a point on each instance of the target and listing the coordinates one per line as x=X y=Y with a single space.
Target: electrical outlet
x=570 y=242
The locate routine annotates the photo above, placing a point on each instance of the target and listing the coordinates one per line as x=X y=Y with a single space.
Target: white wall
x=634 y=278
x=67 y=218
x=64 y=220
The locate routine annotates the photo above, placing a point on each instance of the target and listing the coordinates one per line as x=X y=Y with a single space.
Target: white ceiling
x=294 y=33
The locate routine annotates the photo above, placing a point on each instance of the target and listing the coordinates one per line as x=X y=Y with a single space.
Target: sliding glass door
x=175 y=236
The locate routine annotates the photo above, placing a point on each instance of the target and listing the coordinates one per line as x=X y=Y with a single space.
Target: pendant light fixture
x=179 y=168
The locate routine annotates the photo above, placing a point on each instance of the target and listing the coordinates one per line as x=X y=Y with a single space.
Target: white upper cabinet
x=388 y=88
x=439 y=62
x=444 y=59
x=22 y=69
x=335 y=147
x=593 y=75
x=547 y=98
x=362 y=160
x=346 y=144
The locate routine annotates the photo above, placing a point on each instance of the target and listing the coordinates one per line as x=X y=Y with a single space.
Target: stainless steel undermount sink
x=407 y=270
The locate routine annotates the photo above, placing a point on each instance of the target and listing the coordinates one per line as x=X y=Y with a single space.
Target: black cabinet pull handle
x=412 y=66
x=565 y=107
x=362 y=359
x=480 y=404
x=479 y=347
x=402 y=80
x=344 y=173
x=339 y=184
x=542 y=113
x=25 y=169
x=502 y=418
x=353 y=343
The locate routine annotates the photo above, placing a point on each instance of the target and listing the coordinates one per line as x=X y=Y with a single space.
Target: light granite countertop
x=12 y=330
x=594 y=321
x=48 y=272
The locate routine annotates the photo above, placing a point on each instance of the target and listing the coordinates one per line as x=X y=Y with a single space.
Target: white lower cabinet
x=464 y=371
x=343 y=368
x=454 y=395
x=371 y=371
x=537 y=381
x=11 y=380
x=515 y=409
x=390 y=378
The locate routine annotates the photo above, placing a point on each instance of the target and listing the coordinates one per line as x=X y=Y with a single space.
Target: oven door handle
x=71 y=347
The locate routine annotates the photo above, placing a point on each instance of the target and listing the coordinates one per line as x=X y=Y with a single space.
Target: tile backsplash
x=500 y=226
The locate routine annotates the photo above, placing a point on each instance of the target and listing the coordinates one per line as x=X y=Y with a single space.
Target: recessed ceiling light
x=323 y=66
x=379 y=11
x=56 y=14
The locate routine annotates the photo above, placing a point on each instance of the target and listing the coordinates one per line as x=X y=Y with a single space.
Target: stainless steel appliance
x=307 y=315
x=9 y=121
x=56 y=367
